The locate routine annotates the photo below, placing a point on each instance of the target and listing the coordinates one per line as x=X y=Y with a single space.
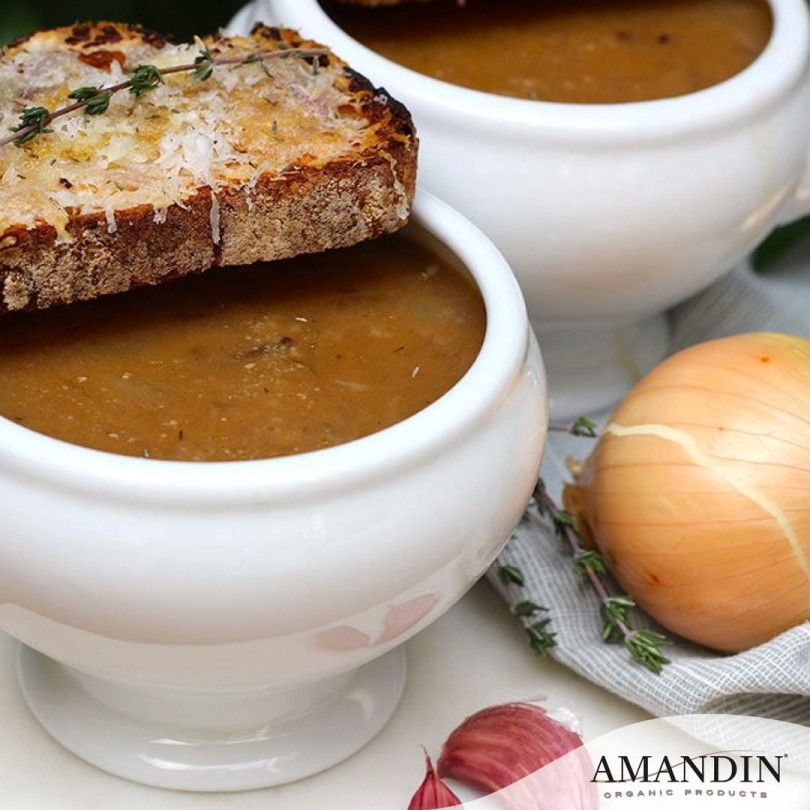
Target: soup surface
x=251 y=362
x=576 y=51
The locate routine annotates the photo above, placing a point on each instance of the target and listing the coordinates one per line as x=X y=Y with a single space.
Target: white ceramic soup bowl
x=608 y=214
x=223 y=626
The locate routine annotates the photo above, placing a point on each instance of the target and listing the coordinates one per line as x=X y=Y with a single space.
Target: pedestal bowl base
x=204 y=740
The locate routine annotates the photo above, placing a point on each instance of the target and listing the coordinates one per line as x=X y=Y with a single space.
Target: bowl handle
x=798 y=204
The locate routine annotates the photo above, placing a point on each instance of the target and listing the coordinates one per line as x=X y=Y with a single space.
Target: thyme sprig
x=529 y=614
x=643 y=645
x=95 y=100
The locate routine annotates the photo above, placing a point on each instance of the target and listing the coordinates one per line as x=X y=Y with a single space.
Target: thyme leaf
x=33 y=122
x=584 y=427
x=96 y=101
x=511 y=575
x=145 y=78
x=204 y=63
x=541 y=639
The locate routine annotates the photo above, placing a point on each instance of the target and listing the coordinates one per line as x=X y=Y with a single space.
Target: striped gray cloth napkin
x=772 y=680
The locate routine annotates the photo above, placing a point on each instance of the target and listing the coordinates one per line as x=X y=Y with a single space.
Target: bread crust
x=306 y=208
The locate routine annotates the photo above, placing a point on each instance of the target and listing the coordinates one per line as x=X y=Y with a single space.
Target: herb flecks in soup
x=247 y=363
x=576 y=51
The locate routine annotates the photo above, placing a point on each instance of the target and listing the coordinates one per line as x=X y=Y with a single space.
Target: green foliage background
x=182 y=20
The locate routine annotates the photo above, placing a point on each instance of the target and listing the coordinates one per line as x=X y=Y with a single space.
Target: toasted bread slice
x=262 y=160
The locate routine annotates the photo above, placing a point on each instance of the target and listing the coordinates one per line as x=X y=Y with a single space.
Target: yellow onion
x=698 y=491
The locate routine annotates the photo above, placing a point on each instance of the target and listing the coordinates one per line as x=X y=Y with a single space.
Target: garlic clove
x=519 y=745
x=433 y=794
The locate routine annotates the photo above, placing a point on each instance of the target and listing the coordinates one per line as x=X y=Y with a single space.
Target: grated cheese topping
x=160 y=149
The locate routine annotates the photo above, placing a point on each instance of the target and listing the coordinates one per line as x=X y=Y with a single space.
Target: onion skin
x=538 y=763
x=698 y=492
x=433 y=794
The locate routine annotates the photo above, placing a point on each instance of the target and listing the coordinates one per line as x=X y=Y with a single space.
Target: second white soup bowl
x=608 y=214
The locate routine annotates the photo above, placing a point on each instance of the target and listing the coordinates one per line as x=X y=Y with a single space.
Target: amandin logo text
x=708 y=769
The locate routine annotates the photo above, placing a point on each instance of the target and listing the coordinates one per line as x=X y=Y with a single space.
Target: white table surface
x=472 y=657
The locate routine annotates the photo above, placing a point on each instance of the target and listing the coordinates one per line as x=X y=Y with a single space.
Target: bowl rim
x=342 y=467
x=772 y=75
